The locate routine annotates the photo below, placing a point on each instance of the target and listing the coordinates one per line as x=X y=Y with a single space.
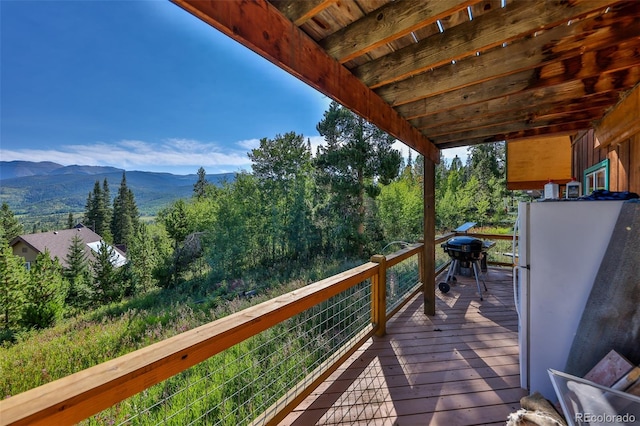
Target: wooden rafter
x=300 y=12
x=261 y=27
x=524 y=84
x=483 y=118
x=522 y=131
x=554 y=46
x=491 y=30
x=388 y=23
x=518 y=105
x=523 y=120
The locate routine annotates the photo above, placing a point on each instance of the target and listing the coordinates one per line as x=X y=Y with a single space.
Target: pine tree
x=283 y=167
x=108 y=213
x=13 y=279
x=486 y=162
x=125 y=214
x=356 y=158
x=200 y=187
x=176 y=223
x=70 y=223
x=77 y=273
x=95 y=210
x=44 y=293
x=143 y=258
x=10 y=227
x=106 y=287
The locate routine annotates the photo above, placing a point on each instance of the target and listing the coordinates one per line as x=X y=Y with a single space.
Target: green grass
x=40 y=356
x=230 y=388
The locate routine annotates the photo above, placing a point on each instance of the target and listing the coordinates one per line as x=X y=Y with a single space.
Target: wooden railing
x=83 y=394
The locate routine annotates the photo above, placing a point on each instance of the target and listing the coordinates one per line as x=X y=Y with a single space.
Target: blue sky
x=140 y=85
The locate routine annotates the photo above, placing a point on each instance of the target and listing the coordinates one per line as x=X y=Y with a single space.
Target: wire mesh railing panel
x=401 y=278
x=441 y=257
x=502 y=252
x=239 y=384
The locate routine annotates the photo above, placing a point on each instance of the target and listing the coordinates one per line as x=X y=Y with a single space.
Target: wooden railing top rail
x=445 y=237
x=83 y=394
x=488 y=236
x=405 y=253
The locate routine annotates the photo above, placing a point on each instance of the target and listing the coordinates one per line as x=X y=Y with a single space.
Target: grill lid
x=463 y=244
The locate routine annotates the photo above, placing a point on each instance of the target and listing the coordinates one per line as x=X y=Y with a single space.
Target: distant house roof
x=117 y=258
x=58 y=243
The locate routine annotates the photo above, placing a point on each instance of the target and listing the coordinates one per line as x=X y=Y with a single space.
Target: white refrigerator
x=560 y=247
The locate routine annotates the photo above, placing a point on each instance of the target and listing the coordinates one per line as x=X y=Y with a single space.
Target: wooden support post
x=421 y=264
x=429 y=259
x=379 y=296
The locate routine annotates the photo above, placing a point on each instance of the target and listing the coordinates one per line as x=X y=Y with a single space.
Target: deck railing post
x=429 y=216
x=379 y=295
x=421 y=265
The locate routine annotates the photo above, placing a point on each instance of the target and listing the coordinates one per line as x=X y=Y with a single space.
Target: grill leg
x=451 y=271
x=476 y=272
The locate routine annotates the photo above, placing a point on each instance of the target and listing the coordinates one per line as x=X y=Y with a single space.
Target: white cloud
x=180 y=156
x=249 y=144
x=172 y=155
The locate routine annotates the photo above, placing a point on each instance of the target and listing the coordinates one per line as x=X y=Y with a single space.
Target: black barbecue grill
x=463 y=251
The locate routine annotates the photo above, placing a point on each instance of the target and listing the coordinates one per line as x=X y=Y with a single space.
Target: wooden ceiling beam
x=515 y=107
x=554 y=46
x=568 y=129
x=259 y=26
x=589 y=111
x=390 y=22
x=526 y=83
x=300 y=12
x=487 y=31
x=513 y=128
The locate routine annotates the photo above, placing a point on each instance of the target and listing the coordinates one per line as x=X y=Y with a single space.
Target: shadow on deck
x=459 y=367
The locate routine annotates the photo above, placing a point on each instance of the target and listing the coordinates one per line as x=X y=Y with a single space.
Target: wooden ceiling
x=446 y=73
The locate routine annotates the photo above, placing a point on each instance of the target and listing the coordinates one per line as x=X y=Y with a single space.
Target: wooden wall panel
x=589 y=147
x=624 y=160
x=634 y=167
x=614 y=164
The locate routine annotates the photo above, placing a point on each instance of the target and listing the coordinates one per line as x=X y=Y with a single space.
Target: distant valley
x=37 y=190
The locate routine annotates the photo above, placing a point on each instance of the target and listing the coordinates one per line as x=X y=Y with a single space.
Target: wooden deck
x=457 y=368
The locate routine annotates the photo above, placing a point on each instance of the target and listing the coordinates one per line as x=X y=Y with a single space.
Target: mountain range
x=38 y=189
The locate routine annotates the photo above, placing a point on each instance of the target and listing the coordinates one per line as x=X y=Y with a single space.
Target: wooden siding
x=458 y=367
x=624 y=160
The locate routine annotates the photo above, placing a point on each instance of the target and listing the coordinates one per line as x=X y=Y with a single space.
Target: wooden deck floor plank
x=424 y=340
x=459 y=367
x=439 y=330
x=427 y=346
x=487 y=415
x=326 y=399
x=410 y=373
x=423 y=337
x=354 y=406
x=428 y=377
x=436 y=361
x=466 y=327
